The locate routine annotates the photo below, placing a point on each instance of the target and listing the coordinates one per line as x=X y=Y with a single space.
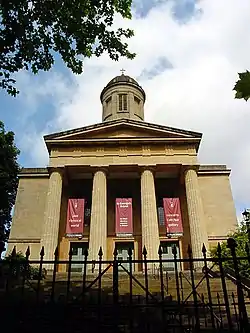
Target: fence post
x=161 y=272
x=115 y=290
x=224 y=288
x=204 y=251
x=191 y=266
x=130 y=252
x=86 y=253
x=100 y=254
x=56 y=255
x=2 y=248
x=25 y=269
x=40 y=273
x=69 y=273
x=174 y=251
x=248 y=252
x=10 y=270
x=144 y=254
x=231 y=243
x=115 y=277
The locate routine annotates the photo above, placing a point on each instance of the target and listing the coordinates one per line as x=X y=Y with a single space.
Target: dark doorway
x=168 y=255
x=122 y=250
x=78 y=249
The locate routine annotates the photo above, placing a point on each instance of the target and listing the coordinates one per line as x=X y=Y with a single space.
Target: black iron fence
x=125 y=295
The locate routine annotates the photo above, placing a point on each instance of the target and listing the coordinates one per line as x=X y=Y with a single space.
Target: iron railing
x=125 y=295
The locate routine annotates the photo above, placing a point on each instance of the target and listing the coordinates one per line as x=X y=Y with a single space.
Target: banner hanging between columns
x=124 y=217
x=75 y=218
x=173 y=220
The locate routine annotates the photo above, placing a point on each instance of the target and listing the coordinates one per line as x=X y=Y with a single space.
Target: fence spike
x=174 y=250
x=56 y=254
x=86 y=252
x=219 y=249
x=144 y=252
x=27 y=253
x=204 y=250
x=247 y=249
x=100 y=253
x=130 y=252
x=231 y=243
x=160 y=250
x=115 y=253
x=189 y=250
x=13 y=253
x=42 y=252
x=70 y=252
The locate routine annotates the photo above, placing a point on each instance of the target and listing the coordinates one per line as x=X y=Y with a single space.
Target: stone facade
x=123 y=157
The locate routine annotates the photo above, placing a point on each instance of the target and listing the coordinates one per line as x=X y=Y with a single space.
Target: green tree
x=241 y=238
x=33 y=31
x=242 y=86
x=9 y=169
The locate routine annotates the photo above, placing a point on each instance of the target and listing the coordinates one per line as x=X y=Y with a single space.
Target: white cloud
x=206 y=53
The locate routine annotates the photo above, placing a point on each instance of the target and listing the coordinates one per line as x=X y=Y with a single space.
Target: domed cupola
x=123 y=98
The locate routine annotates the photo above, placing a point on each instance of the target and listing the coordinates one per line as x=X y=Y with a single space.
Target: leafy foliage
x=9 y=169
x=242 y=86
x=31 y=31
x=18 y=266
x=241 y=238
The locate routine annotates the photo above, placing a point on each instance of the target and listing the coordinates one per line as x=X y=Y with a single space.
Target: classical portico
x=123 y=162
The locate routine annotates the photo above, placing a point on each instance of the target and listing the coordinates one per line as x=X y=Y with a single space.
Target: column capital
x=186 y=168
x=147 y=168
x=60 y=170
x=103 y=169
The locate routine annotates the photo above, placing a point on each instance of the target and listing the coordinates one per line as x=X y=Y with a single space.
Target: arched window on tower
x=108 y=100
x=123 y=102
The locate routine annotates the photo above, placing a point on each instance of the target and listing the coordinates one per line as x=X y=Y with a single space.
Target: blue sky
x=188 y=56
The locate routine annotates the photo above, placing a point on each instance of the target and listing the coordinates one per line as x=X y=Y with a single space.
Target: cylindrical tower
x=122 y=98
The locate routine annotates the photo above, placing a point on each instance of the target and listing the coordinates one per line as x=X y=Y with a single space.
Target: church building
x=122 y=183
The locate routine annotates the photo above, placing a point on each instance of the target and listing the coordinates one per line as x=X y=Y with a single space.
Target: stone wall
x=28 y=218
x=218 y=205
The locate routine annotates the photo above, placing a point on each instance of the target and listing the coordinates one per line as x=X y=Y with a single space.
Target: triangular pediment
x=122 y=129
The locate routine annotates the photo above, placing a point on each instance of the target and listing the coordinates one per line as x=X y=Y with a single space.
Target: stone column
x=98 y=222
x=52 y=215
x=150 y=229
x=197 y=222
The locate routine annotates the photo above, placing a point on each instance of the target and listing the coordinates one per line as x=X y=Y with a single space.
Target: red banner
x=124 y=217
x=172 y=212
x=75 y=217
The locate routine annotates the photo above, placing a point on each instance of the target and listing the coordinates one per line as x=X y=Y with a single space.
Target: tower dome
x=122 y=98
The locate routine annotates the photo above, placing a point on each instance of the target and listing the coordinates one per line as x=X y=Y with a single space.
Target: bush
x=18 y=266
x=241 y=238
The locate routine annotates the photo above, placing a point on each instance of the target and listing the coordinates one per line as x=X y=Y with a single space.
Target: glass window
x=87 y=213
x=84 y=247
x=161 y=217
x=136 y=99
x=164 y=249
x=108 y=100
x=120 y=102
x=74 y=250
x=123 y=102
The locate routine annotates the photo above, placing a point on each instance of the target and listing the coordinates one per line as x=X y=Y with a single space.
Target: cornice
x=114 y=123
x=213 y=169
x=33 y=172
x=122 y=140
